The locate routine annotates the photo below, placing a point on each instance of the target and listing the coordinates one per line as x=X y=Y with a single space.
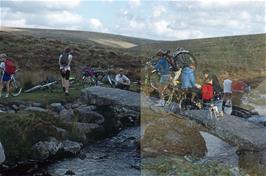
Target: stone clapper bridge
x=234 y=130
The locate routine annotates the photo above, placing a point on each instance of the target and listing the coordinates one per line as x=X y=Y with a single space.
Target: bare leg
x=8 y=86
x=67 y=85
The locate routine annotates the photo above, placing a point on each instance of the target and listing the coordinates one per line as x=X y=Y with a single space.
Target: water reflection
x=220 y=151
x=254 y=163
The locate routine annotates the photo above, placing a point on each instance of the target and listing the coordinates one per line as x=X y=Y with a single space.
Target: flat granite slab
x=103 y=96
x=237 y=131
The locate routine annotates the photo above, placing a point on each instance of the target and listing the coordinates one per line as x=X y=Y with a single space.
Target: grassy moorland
x=37 y=50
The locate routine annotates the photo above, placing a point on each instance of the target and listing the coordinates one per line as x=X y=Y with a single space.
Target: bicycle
x=173 y=93
x=98 y=77
x=46 y=84
x=15 y=87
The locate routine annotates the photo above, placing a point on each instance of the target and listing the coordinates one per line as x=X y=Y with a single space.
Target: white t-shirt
x=121 y=79
x=227 y=86
x=2 y=66
x=69 y=61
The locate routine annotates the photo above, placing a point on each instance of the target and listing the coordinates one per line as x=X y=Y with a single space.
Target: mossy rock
x=18 y=132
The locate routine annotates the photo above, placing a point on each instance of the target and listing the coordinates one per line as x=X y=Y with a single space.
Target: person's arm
x=193 y=80
x=158 y=65
x=126 y=79
x=59 y=60
x=69 y=60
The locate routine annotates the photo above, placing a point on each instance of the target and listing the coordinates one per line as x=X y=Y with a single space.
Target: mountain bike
x=98 y=77
x=15 y=86
x=48 y=83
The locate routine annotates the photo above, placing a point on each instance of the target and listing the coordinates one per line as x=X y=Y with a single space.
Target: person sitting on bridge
x=122 y=81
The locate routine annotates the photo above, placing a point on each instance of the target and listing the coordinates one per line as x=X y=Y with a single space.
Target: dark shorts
x=6 y=77
x=65 y=74
x=122 y=86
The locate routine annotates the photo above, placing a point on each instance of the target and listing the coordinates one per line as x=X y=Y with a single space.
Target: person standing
x=227 y=90
x=7 y=66
x=163 y=68
x=64 y=63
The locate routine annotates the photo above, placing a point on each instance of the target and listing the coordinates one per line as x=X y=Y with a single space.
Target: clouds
x=55 y=14
x=96 y=25
x=161 y=20
x=173 y=20
x=47 y=14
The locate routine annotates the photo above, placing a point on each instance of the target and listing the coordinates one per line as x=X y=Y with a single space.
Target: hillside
x=38 y=49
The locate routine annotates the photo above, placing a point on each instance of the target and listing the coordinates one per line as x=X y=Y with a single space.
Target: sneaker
x=7 y=95
x=66 y=93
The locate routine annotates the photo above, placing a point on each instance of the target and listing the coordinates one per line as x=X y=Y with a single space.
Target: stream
x=116 y=156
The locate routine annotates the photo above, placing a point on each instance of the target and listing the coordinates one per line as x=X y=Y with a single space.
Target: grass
x=175 y=165
x=46 y=97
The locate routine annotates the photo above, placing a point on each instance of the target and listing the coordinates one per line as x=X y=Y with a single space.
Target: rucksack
x=10 y=67
x=207 y=92
x=64 y=59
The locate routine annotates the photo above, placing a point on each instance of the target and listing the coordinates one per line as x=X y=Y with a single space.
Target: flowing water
x=116 y=156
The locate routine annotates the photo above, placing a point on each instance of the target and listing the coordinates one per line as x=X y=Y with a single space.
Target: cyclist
x=7 y=68
x=122 y=81
x=227 y=94
x=163 y=67
x=188 y=83
x=64 y=62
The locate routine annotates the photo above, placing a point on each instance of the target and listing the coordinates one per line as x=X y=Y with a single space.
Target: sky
x=158 y=20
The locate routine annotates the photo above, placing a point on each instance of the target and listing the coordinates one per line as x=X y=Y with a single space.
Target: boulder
x=67 y=115
x=86 y=108
x=102 y=96
x=57 y=107
x=125 y=115
x=36 y=109
x=2 y=154
x=84 y=131
x=163 y=133
x=71 y=147
x=85 y=115
x=36 y=104
x=44 y=149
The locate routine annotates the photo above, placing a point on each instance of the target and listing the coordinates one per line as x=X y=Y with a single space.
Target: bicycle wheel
x=154 y=80
x=33 y=89
x=110 y=80
x=15 y=88
x=88 y=81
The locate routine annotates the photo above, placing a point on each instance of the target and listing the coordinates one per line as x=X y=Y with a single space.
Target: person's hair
x=67 y=50
x=206 y=72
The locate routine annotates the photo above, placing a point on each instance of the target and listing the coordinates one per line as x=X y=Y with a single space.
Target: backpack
x=10 y=67
x=64 y=59
x=207 y=92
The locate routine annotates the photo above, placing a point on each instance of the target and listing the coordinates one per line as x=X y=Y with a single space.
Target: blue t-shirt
x=162 y=66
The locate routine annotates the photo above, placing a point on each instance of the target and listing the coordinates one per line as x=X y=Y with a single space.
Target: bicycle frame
x=13 y=84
